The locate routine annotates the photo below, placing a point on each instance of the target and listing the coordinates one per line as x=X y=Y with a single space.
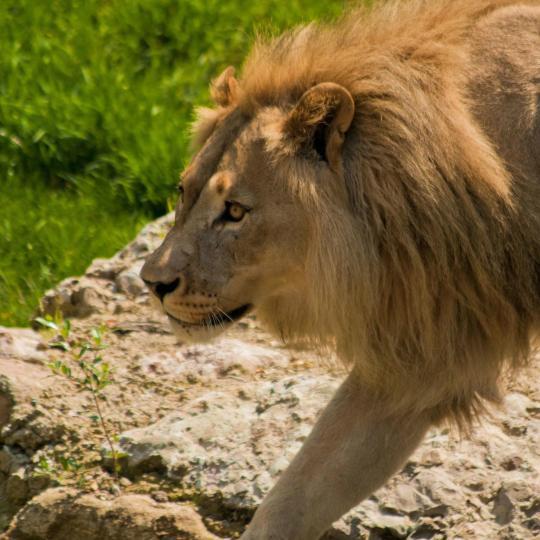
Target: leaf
x=66 y=329
x=46 y=323
x=55 y=366
x=85 y=347
x=66 y=370
x=43 y=464
x=105 y=371
x=96 y=334
x=69 y=463
x=62 y=345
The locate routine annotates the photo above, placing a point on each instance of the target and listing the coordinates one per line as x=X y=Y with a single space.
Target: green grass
x=55 y=235
x=95 y=99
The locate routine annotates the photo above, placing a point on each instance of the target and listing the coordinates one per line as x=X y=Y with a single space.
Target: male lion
x=371 y=186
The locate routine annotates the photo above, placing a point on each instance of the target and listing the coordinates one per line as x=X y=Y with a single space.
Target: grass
x=95 y=99
x=47 y=234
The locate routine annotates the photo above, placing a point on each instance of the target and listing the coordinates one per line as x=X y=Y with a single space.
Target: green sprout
x=86 y=367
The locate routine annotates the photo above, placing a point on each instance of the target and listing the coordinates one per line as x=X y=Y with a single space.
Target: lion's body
x=437 y=274
x=388 y=173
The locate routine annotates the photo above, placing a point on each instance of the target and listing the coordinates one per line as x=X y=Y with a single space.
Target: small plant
x=59 y=467
x=86 y=367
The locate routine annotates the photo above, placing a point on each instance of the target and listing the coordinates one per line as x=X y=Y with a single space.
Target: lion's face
x=241 y=233
x=239 y=237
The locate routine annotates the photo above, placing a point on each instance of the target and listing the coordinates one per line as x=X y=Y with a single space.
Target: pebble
x=130 y=283
x=160 y=496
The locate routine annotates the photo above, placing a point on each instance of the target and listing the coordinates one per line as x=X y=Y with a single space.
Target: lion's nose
x=161 y=289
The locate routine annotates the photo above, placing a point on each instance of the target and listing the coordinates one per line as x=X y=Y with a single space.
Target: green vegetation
x=95 y=98
x=84 y=365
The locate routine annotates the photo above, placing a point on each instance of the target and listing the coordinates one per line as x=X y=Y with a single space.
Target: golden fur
x=430 y=277
x=389 y=165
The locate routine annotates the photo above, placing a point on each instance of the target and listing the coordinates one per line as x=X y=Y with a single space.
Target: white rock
x=230 y=447
x=21 y=343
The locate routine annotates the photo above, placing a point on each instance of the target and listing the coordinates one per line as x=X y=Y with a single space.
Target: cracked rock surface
x=65 y=514
x=205 y=430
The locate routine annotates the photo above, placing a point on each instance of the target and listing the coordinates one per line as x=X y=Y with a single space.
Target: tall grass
x=95 y=98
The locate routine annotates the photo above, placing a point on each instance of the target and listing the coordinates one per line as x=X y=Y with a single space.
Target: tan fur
x=443 y=286
x=418 y=257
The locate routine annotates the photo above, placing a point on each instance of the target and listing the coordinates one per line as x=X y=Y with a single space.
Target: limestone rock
x=76 y=298
x=503 y=508
x=20 y=383
x=230 y=448
x=23 y=344
x=130 y=283
x=94 y=292
x=65 y=514
x=208 y=362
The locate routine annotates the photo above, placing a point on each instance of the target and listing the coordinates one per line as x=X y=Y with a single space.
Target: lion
x=370 y=186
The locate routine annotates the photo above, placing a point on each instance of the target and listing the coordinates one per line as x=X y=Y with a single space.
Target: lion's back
x=505 y=92
x=505 y=87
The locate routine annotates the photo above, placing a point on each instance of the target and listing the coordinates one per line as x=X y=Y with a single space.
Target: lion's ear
x=224 y=89
x=320 y=120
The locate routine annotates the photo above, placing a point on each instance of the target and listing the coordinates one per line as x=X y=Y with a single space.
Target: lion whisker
x=225 y=314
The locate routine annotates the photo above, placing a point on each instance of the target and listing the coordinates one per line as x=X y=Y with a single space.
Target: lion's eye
x=234 y=211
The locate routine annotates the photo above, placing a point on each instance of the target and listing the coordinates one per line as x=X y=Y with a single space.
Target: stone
x=440 y=489
x=22 y=343
x=58 y=513
x=86 y=300
x=103 y=269
x=20 y=383
x=17 y=487
x=404 y=498
x=76 y=298
x=228 y=448
x=503 y=508
x=223 y=357
x=130 y=283
x=159 y=496
x=388 y=525
x=11 y=460
x=5 y=407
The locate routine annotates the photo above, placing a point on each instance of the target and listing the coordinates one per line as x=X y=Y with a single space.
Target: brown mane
x=445 y=287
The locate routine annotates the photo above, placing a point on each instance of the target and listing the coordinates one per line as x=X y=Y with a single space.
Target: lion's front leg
x=354 y=447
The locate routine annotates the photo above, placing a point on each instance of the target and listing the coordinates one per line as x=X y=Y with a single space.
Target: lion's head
x=242 y=231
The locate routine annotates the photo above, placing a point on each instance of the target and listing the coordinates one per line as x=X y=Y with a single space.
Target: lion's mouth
x=218 y=318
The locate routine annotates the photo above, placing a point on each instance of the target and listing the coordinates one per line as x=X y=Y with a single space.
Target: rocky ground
x=203 y=431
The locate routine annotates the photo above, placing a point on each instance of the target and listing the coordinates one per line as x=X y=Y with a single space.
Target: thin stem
x=103 y=425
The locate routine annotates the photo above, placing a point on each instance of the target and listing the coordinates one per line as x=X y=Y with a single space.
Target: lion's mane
x=427 y=282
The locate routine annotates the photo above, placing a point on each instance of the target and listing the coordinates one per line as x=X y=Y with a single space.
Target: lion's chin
x=207 y=329
x=194 y=333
